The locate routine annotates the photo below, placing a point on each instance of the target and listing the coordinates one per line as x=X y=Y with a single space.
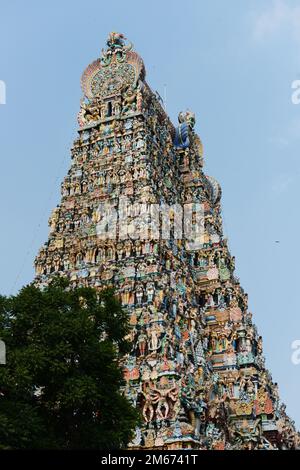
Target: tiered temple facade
x=137 y=212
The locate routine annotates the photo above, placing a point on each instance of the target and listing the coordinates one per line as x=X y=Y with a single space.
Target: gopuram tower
x=138 y=213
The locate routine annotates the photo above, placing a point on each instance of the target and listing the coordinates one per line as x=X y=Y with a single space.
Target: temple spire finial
x=117 y=48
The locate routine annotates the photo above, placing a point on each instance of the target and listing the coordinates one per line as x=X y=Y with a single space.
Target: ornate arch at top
x=100 y=80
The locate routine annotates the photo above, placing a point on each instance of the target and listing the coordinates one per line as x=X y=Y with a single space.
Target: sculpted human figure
x=259 y=345
x=250 y=387
x=150 y=292
x=57 y=261
x=162 y=410
x=263 y=380
x=103 y=110
x=248 y=345
x=129 y=102
x=53 y=220
x=153 y=342
x=125 y=297
x=161 y=396
x=148 y=409
x=116 y=107
x=81 y=117
x=164 y=345
x=142 y=342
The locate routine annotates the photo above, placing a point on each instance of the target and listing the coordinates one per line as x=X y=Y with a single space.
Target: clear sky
x=233 y=64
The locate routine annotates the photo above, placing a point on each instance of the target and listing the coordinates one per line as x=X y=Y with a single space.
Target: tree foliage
x=61 y=385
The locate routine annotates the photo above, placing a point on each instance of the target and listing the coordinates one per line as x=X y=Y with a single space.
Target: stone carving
x=159 y=400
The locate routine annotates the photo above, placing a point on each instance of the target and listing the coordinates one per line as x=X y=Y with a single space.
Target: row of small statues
x=129 y=101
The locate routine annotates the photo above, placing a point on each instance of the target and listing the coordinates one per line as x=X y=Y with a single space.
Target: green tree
x=61 y=385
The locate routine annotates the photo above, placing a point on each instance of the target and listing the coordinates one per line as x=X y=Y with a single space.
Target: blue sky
x=233 y=64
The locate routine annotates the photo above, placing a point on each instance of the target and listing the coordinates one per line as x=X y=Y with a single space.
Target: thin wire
x=36 y=232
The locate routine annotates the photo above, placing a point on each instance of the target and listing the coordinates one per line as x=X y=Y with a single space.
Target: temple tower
x=137 y=212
